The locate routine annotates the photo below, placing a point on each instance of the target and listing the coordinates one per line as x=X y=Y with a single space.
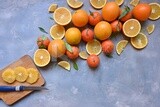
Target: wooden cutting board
x=11 y=97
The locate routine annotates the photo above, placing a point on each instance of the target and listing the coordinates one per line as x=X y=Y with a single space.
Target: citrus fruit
x=150 y=28
x=62 y=16
x=65 y=65
x=142 y=11
x=57 y=31
x=116 y=26
x=102 y=30
x=155 y=13
x=121 y=46
x=94 y=18
x=110 y=11
x=33 y=75
x=57 y=48
x=74 y=54
x=131 y=28
x=9 y=76
x=80 y=18
x=98 y=4
x=41 y=57
x=119 y=2
x=134 y=2
x=83 y=55
x=73 y=36
x=87 y=35
x=94 y=47
x=93 y=61
x=52 y=8
x=75 y=3
x=107 y=47
x=21 y=73
x=140 y=41
x=43 y=42
x=126 y=17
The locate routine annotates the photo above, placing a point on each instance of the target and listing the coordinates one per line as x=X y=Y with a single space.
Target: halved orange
x=62 y=16
x=134 y=2
x=131 y=27
x=75 y=3
x=155 y=13
x=121 y=46
x=98 y=4
x=140 y=41
x=57 y=31
x=41 y=57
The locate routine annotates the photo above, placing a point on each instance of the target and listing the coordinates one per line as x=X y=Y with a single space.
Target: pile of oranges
x=93 y=28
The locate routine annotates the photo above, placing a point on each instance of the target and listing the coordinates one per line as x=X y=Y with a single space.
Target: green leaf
x=75 y=65
x=124 y=12
x=42 y=30
x=68 y=46
x=51 y=18
x=109 y=55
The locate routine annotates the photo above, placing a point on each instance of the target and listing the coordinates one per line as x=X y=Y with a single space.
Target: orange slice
x=65 y=65
x=121 y=46
x=155 y=13
x=62 y=16
x=131 y=27
x=98 y=4
x=21 y=74
x=41 y=57
x=140 y=41
x=93 y=47
x=33 y=75
x=150 y=28
x=9 y=76
x=57 y=31
x=134 y=2
x=75 y=3
x=83 y=55
x=52 y=8
x=119 y=2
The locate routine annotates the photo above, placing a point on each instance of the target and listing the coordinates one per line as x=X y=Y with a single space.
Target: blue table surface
x=129 y=80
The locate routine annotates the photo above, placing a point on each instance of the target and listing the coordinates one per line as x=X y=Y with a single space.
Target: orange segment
x=75 y=3
x=150 y=28
x=134 y=2
x=140 y=41
x=41 y=57
x=57 y=31
x=131 y=27
x=155 y=13
x=83 y=55
x=62 y=16
x=65 y=65
x=121 y=46
x=119 y=2
x=52 y=8
x=98 y=4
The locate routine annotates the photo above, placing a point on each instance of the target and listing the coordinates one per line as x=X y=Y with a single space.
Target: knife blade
x=21 y=88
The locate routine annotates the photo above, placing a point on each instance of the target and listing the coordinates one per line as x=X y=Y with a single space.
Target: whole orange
x=142 y=11
x=107 y=47
x=73 y=36
x=110 y=11
x=94 y=18
x=80 y=18
x=116 y=26
x=93 y=61
x=57 y=48
x=103 y=30
x=87 y=35
x=74 y=54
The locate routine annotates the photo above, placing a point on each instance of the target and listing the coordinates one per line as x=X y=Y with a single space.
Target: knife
x=21 y=88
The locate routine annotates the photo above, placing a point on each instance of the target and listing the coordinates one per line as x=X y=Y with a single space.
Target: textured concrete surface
x=129 y=80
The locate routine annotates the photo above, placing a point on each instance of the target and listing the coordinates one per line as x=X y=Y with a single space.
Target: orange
x=155 y=14
x=121 y=46
x=93 y=61
x=57 y=48
x=110 y=11
x=142 y=11
x=107 y=47
x=74 y=54
x=73 y=36
x=64 y=64
x=83 y=55
x=116 y=26
x=52 y=8
x=103 y=30
x=57 y=31
x=9 y=76
x=75 y=3
x=62 y=16
x=80 y=18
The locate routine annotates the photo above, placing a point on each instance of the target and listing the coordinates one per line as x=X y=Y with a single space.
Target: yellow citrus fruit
x=131 y=27
x=41 y=57
x=94 y=47
x=134 y=2
x=73 y=36
x=75 y=3
x=62 y=16
x=140 y=41
x=121 y=46
x=83 y=55
x=98 y=4
x=119 y=2
x=65 y=65
x=33 y=75
x=52 y=8
x=21 y=74
x=9 y=76
x=155 y=13
x=57 y=31
x=150 y=28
